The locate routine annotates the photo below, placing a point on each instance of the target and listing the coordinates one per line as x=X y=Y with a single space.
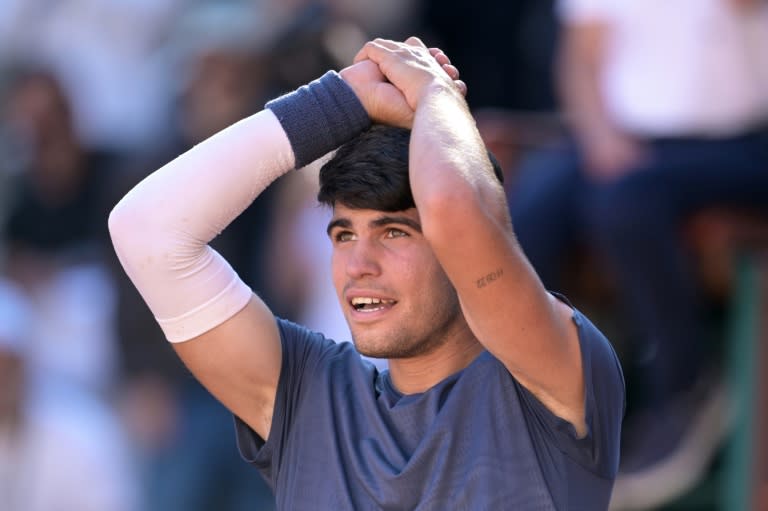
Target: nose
x=362 y=260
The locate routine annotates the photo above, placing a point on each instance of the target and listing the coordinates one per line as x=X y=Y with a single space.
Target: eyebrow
x=381 y=221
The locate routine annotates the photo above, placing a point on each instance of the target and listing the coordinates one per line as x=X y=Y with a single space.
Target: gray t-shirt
x=343 y=438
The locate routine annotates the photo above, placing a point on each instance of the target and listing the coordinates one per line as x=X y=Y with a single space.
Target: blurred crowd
x=616 y=123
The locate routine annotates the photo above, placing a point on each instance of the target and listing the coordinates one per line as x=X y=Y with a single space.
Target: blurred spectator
x=55 y=235
x=317 y=35
x=61 y=452
x=668 y=106
x=108 y=55
x=394 y=19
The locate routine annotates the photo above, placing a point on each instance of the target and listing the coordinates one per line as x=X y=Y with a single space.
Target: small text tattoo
x=487 y=279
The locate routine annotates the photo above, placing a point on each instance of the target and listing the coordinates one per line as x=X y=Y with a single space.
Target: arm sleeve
x=161 y=228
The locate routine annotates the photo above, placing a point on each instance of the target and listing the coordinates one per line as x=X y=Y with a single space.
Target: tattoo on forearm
x=490 y=278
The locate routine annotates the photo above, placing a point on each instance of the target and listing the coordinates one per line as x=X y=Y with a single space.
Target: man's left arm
x=464 y=216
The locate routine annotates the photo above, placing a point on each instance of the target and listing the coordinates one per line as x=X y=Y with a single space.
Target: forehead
x=362 y=217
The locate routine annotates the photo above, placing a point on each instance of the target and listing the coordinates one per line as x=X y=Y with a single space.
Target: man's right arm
x=225 y=334
x=161 y=231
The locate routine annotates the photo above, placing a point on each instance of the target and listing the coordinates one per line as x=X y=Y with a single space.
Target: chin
x=392 y=348
x=372 y=346
x=370 y=349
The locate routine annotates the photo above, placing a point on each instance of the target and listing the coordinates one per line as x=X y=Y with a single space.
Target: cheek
x=338 y=272
x=427 y=277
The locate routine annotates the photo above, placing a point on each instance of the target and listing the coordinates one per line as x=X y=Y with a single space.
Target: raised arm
x=224 y=333
x=464 y=216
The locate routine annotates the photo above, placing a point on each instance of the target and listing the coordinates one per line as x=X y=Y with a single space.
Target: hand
x=409 y=66
x=611 y=155
x=383 y=100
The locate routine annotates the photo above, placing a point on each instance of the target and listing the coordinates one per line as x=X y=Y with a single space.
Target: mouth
x=370 y=304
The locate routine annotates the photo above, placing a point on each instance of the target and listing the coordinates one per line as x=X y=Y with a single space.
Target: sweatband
x=320 y=116
x=161 y=228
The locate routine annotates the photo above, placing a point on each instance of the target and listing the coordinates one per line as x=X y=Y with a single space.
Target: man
x=498 y=395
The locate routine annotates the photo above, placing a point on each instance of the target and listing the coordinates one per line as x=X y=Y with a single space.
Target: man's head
x=395 y=296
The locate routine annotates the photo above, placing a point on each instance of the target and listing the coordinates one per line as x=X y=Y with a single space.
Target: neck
x=420 y=373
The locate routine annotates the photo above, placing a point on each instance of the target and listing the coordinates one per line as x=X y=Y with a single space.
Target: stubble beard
x=408 y=342
x=401 y=346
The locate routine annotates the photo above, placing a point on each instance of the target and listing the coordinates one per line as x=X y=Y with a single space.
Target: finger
x=442 y=59
x=362 y=54
x=461 y=86
x=415 y=41
x=452 y=71
x=375 y=48
x=439 y=56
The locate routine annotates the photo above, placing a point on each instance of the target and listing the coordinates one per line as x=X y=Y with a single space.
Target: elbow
x=145 y=236
x=130 y=229
x=442 y=214
x=442 y=203
x=462 y=211
x=118 y=224
x=122 y=224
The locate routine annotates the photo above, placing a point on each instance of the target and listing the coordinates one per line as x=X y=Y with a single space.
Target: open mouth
x=370 y=304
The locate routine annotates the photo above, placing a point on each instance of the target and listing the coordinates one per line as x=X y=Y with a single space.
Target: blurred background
x=633 y=137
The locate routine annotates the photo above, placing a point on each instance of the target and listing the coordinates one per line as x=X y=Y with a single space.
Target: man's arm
x=160 y=231
x=464 y=216
x=224 y=333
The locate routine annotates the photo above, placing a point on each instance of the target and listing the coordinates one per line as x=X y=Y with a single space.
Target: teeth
x=367 y=300
x=364 y=300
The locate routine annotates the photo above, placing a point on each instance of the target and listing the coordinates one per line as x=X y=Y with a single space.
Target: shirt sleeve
x=303 y=350
x=598 y=450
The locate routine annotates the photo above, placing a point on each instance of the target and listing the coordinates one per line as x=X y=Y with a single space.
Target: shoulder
x=302 y=341
x=604 y=401
x=307 y=352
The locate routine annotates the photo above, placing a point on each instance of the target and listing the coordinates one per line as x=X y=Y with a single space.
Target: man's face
x=393 y=292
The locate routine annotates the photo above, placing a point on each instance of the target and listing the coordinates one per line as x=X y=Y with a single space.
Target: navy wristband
x=320 y=116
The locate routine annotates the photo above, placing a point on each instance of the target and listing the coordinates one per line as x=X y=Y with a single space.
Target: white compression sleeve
x=162 y=227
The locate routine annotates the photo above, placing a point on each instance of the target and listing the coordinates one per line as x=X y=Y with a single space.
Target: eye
x=341 y=236
x=395 y=233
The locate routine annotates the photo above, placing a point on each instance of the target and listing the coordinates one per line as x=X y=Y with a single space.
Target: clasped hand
x=392 y=78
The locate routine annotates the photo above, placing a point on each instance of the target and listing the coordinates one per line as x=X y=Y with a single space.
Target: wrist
x=320 y=116
x=436 y=90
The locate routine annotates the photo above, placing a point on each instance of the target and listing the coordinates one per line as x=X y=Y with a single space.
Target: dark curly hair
x=371 y=172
